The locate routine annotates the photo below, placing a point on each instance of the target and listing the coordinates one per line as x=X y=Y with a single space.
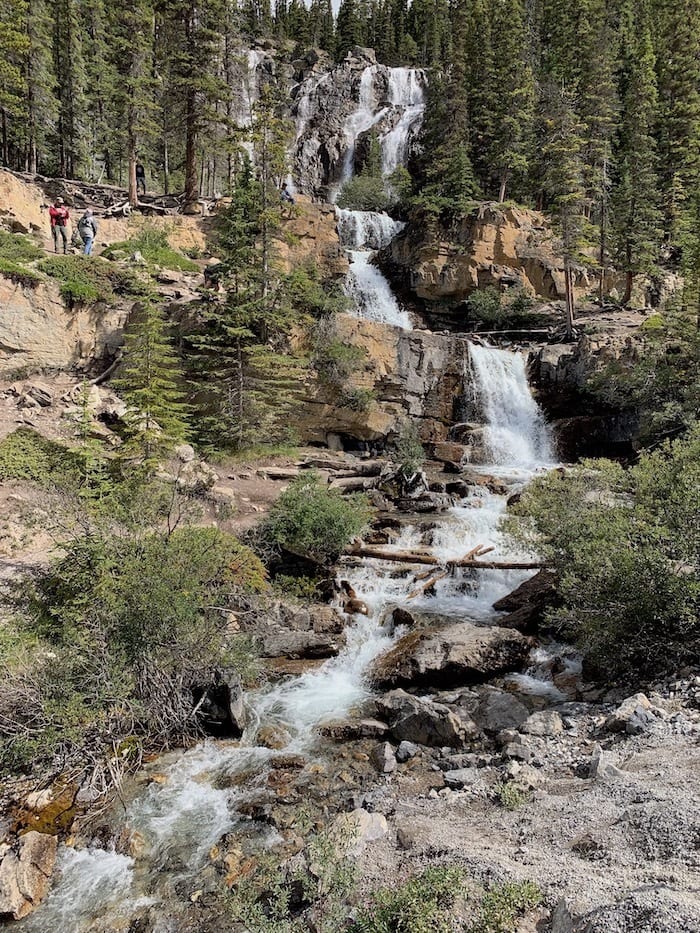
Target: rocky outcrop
x=25 y=872
x=409 y=374
x=452 y=654
x=310 y=237
x=419 y=720
x=21 y=205
x=38 y=331
x=507 y=247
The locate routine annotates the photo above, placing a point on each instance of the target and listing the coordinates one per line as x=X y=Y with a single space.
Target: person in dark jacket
x=60 y=218
x=87 y=228
x=140 y=178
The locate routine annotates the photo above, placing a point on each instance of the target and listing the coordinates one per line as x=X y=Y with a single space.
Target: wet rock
x=419 y=720
x=544 y=723
x=348 y=730
x=443 y=656
x=450 y=453
x=300 y=645
x=632 y=716
x=401 y=616
x=526 y=604
x=219 y=704
x=271 y=736
x=498 y=710
x=383 y=758
x=25 y=871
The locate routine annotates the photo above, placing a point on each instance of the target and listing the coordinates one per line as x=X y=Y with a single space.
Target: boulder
x=449 y=655
x=300 y=645
x=414 y=719
x=219 y=704
x=383 y=758
x=544 y=723
x=462 y=777
x=25 y=871
x=633 y=716
x=526 y=604
x=498 y=710
x=352 y=831
x=406 y=751
x=349 y=730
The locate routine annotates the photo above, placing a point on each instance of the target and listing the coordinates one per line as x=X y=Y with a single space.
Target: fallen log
x=430 y=582
x=419 y=557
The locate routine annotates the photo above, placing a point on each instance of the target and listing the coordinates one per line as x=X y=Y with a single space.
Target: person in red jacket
x=60 y=218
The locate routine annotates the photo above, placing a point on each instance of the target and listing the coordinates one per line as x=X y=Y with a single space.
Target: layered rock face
x=38 y=331
x=411 y=374
x=507 y=247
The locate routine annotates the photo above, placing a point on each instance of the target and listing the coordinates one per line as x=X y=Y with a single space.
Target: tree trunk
x=133 y=190
x=504 y=183
x=191 y=179
x=3 y=154
x=570 y=305
x=166 y=163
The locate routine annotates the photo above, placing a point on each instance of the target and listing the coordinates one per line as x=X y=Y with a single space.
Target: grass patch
x=16 y=273
x=510 y=796
x=16 y=247
x=156 y=250
x=87 y=280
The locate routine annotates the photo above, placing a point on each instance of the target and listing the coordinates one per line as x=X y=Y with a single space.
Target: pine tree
x=151 y=383
x=14 y=43
x=564 y=182
x=71 y=132
x=510 y=147
x=102 y=83
x=42 y=106
x=636 y=214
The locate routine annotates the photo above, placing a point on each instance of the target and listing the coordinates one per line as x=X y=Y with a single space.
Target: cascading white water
x=515 y=433
x=363 y=233
x=374 y=300
x=366 y=229
x=179 y=819
x=405 y=93
x=360 y=120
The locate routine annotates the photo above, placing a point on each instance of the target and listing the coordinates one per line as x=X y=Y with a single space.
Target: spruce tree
x=637 y=220
x=71 y=139
x=151 y=381
x=14 y=43
x=42 y=105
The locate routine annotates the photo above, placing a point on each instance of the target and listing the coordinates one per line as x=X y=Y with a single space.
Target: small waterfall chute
x=406 y=94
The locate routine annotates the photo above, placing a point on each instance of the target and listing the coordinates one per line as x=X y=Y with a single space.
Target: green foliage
x=420 y=905
x=408 y=449
x=18 y=274
x=626 y=546
x=18 y=248
x=503 y=904
x=153 y=245
x=89 y=280
x=334 y=360
x=510 y=796
x=365 y=193
x=316 y=522
x=150 y=380
x=484 y=304
x=26 y=455
x=304 y=588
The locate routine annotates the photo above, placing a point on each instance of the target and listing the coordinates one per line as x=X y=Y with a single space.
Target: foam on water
x=373 y=298
x=406 y=94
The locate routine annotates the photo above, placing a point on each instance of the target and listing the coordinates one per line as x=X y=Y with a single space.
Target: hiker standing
x=60 y=218
x=87 y=228
x=285 y=194
x=140 y=178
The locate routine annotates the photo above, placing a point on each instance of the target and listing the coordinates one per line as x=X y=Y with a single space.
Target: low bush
x=503 y=905
x=313 y=521
x=423 y=904
x=366 y=193
x=16 y=273
x=626 y=546
x=408 y=450
x=156 y=250
x=26 y=455
x=18 y=248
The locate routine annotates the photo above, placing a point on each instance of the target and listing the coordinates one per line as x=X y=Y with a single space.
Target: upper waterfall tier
x=336 y=112
x=366 y=229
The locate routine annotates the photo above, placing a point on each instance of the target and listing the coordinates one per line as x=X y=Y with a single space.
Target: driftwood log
x=421 y=557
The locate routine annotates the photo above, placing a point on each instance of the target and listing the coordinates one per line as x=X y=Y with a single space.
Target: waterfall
x=362 y=233
x=374 y=299
x=202 y=790
x=362 y=119
x=515 y=433
x=405 y=93
x=366 y=229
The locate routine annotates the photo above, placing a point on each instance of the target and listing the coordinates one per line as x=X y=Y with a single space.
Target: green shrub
x=333 y=358
x=502 y=906
x=18 y=248
x=304 y=588
x=365 y=193
x=313 y=521
x=356 y=399
x=24 y=454
x=484 y=305
x=84 y=280
x=510 y=796
x=626 y=545
x=20 y=275
x=408 y=449
x=156 y=250
x=422 y=904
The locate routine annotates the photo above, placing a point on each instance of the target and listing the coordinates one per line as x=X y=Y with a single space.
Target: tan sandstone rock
x=25 y=872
